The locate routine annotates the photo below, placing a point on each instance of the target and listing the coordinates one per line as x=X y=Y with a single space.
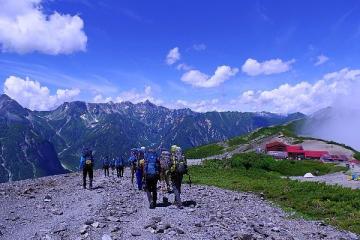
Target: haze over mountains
x=39 y=143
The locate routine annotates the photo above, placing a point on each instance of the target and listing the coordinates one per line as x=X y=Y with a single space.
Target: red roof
x=276 y=143
x=354 y=161
x=315 y=154
x=294 y=149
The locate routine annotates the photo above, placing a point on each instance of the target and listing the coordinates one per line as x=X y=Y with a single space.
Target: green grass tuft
x=258 y=173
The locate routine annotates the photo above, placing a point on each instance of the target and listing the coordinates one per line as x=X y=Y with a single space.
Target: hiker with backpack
x=86 y=165
x=177 y=171
x=165 y=165
x=119 y=164
x=106 y=165
x=133 y=160
x=151 y=176
x=140 y=167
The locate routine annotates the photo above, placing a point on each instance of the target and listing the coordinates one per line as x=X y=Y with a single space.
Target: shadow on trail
x=166 y=203
x=189 y=203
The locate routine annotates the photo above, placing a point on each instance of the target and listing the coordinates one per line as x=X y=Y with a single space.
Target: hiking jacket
x=119 y=162
x=82 y=163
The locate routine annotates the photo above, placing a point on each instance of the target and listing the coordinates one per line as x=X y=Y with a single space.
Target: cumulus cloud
x=321 y=59
x=32 y=95
x=202 y=80
x=183 y=66
x=273 y=66
x=173 y=56
x=303 y=97
x=25 y=27
x=199 y=47
x=135 y=96
x=199 y=105
x=100 y=99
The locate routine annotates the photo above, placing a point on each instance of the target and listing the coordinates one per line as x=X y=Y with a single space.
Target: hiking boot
x=178 y=205
x=152 y=205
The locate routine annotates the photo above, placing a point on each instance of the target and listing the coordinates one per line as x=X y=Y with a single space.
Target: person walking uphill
x=140 y=167
x=151 y=176
x=178 y=169
x=132 y=161
x=87 y=164
x=119 y=164
x=106 y=165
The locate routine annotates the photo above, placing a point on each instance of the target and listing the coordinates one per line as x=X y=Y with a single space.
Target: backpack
x=106 y=162
x=87 y=154
x=151 y=164
x=165 y=160
x=179 y=162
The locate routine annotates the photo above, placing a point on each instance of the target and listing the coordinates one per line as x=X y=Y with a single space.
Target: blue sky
x=279 y=56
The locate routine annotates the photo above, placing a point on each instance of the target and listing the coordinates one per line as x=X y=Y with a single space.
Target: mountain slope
x=290 y=133
x=113 y=128
x=24 y=153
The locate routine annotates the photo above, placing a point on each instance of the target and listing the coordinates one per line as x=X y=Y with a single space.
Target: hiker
x=119 y=164
x=151 y=176
x=106 y=165
x=165 y=165
x=132 y=160
x=140 y=167
x=87 y=164
x=177 y=171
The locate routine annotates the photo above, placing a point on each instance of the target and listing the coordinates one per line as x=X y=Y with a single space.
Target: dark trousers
x=120 y=171
x=176 y=180
x=139 y=178
x=151 y=188
x=106 y=170
x=88 y=170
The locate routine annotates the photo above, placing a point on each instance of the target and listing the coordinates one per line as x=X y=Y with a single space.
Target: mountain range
x=40 y=143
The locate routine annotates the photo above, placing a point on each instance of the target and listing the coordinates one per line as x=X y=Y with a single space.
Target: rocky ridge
x=57 y=207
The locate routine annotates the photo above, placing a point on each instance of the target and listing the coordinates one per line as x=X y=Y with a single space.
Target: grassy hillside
x=261 y=174
x=204 y=151
x=287 y=130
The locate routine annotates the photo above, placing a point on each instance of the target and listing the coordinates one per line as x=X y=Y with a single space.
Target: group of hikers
x=117 y=164
x=148 y=166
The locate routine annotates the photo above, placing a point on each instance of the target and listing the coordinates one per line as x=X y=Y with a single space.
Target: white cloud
x=199 y=79
x=26 y=28
x=199 y=47
x=321 y=59
x=100 y=99
x=135 y=97
x=200 y=105
x=253 y=68
x=32 y=95
x=183 y=66
x=303 y=97
x=173 y=56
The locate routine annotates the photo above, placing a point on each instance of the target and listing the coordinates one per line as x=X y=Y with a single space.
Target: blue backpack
x=151 y=164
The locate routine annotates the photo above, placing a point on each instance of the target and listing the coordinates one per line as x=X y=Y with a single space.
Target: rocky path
x=338 y=178
x=58 y=208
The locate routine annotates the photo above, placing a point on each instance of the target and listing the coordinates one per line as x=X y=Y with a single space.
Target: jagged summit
x=111 y=129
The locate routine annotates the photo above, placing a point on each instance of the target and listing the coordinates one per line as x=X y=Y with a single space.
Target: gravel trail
x=57 y=207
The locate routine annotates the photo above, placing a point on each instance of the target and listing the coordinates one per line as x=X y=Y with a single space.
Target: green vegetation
x=287 y=130
x=285 y=168
x=204 y=151
x=258 y=173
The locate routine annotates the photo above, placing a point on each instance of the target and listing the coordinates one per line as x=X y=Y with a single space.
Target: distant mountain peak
x=4 y=97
